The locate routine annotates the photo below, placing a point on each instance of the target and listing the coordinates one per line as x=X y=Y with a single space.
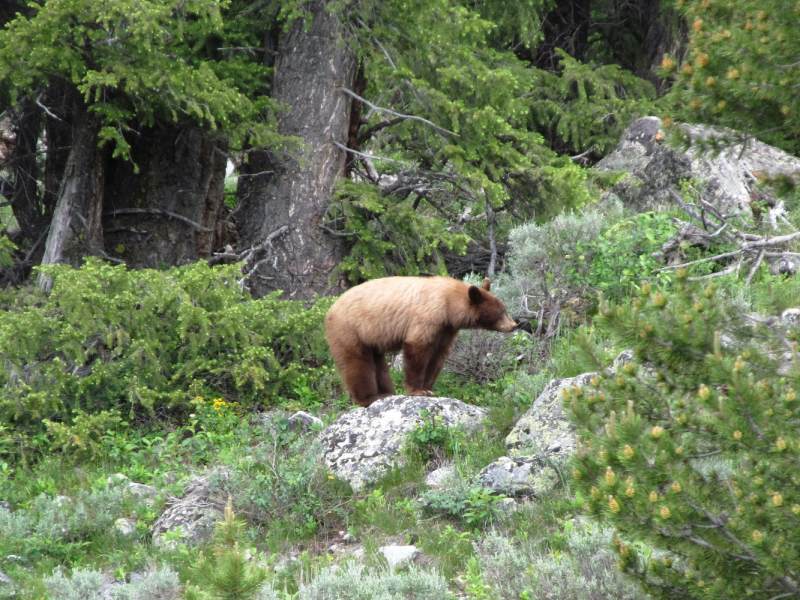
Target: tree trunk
x=23 y=192
x=167 y=214
x=287 y=195
x=75 y=229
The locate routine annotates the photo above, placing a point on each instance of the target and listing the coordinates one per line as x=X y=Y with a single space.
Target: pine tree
x=691 y=450
x=742 y=69
x=230 y=574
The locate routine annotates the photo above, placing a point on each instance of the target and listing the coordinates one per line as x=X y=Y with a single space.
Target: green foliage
x=133 y=63
x=162 y=583
x=230 y=574
x=431 y=438
x=6 y=250
x=587 y=106
x=389 y=236
x=284 y=485
x=690 y=451
x=741 y=70
x=622 y=255
x=108 y=342
x=60 y=527
x=582 y=566
x=477 y=507
x=356 y=582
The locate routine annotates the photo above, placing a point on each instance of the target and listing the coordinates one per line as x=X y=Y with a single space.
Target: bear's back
x=382 y=312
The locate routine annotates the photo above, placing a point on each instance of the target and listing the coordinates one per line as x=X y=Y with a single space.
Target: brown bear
x=420 y=315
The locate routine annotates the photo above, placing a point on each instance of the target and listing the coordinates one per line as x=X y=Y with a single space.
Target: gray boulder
x=522 y=476
x=653 y=167
x=363 y=444
x=303 y=421
x=545 y=430
x=399 y=557
x=196 y=512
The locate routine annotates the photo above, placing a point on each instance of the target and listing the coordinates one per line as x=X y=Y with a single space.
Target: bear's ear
x=475 y=295
x=487 y=283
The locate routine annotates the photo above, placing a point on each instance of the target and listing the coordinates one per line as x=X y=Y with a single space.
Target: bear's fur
x=420 y=316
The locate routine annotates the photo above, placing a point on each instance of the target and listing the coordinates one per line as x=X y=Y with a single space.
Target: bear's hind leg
x=360 y=375
x=382 y=376
x=437 y=360
x=415 y=363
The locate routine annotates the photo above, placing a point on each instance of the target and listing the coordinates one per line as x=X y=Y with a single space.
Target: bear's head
x=489 y=311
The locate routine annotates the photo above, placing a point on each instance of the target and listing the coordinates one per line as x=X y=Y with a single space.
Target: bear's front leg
x=416 y=357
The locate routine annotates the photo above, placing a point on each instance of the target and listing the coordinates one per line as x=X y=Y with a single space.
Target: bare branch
x=352 y=94
x=370 y=156
x=754 y=268
x=156 y=211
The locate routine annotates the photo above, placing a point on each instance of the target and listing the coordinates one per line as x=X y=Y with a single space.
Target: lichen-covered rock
x=545 y=428
x=196 y=512
x=523 y=476
x=364 y=443
x=653 y=167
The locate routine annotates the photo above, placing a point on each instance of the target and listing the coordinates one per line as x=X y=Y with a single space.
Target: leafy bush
x=355 y=582
x=477 y=507
x=84 y=583
x=585 y=568
x=691 y=450
x=60 y=526
x=550 y=262
x=154 y=584
x=107 y=341
x=285 y=487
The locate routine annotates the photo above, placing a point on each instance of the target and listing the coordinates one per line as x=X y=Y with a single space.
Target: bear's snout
x=506 y=324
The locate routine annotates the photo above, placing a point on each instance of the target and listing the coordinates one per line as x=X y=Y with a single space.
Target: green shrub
x=585 y=568
x=568 y=259
x=691 y=450
x=154 y=584
x=108 y=342
x=84 y=583
x=60 y=526
x=284 y=487
x=356 y=582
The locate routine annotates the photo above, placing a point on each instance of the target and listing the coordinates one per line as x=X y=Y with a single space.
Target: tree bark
x=314 y=63
x=23 y=192
x=75 y=229
x=167 y=214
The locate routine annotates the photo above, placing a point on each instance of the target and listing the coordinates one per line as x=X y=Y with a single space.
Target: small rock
x=142 y=492
x=333 y=548
x=125 y=526
x=107 y=591
x=507 y=505
x=349 y=538
x=791 y=317
x=399 y=556
x=118 y=480
x=786 y=264
x=518 y=476
x=303 y=421
x=7 y=587
x=364 y=443
x=442 y=477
